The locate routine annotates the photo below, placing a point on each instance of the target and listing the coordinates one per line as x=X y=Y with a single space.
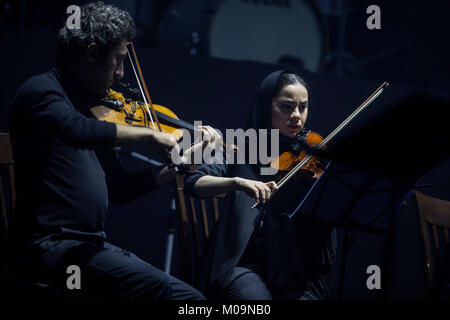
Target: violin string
x=178 y=122
x=144 y=86
x=142 y=91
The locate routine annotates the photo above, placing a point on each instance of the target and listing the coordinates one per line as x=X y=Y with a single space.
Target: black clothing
x=60 y=152
x=66 y=172
x=232 y=231
x=244 y=284
x=293 y=257
x=106 y=271
x=260 y=114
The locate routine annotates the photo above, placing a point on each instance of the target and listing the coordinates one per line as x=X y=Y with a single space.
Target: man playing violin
x=67 y=171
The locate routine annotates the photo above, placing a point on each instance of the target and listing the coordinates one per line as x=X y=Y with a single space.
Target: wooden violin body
x=117 y=109
x=288 y=160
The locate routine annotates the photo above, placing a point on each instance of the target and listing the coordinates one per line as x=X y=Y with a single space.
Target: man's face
x=102 y=72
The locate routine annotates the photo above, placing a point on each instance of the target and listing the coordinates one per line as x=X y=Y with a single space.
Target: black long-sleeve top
x=66 y=169
x=294 y=256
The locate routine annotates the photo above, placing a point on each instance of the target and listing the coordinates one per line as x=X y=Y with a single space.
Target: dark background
x=410 y=52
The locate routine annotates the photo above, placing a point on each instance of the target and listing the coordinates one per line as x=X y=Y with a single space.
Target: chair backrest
x=195 y=222
x=7 y=186
x=434 y=217
x=7 y=206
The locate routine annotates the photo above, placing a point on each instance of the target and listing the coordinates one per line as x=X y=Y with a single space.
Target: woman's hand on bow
x=257 y=189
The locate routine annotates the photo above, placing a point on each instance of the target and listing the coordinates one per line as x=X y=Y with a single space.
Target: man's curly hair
x=101 y=23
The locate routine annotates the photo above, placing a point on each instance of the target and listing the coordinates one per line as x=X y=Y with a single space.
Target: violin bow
x=338 y=129
x=143 y=88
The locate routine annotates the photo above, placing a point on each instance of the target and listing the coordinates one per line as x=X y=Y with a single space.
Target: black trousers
x=246 y=284
x=106 y=271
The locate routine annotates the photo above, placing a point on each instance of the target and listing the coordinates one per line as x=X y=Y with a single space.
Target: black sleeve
x=50 y=112
x=124 y=186
x=217 y=170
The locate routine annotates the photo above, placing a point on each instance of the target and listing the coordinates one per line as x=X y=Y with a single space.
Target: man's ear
x=92 y=53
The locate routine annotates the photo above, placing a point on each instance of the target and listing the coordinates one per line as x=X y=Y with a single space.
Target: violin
x=310 y=162
x=289 y=159
x=114 y=107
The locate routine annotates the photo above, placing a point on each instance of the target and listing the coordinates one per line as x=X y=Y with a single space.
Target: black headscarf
x=291 y=266
x=260 y=114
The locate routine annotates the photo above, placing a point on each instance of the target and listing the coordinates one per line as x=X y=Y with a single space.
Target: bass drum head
x=264 y=32
x=184 y=26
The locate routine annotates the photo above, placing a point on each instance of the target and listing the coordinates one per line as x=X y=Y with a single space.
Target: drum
x=256 y=30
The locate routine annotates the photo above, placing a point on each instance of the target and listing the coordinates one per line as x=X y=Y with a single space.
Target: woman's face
x=290 y=109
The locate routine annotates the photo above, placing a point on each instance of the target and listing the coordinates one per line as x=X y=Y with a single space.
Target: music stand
x=354 y=200
x=371 y=174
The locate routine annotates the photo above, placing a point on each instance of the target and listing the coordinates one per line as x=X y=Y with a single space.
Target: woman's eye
x=302 y=107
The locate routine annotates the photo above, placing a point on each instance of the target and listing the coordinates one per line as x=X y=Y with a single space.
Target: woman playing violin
x=263 y=254
x=67 y=171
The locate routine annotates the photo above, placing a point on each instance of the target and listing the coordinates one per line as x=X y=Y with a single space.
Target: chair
x=434 y=217
x=7 y=206
x=7 y=186
x=195 y=220
x=7 y=203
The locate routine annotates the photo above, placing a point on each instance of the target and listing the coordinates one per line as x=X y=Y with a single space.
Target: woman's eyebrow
x=292 y=101
x=286 y=100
